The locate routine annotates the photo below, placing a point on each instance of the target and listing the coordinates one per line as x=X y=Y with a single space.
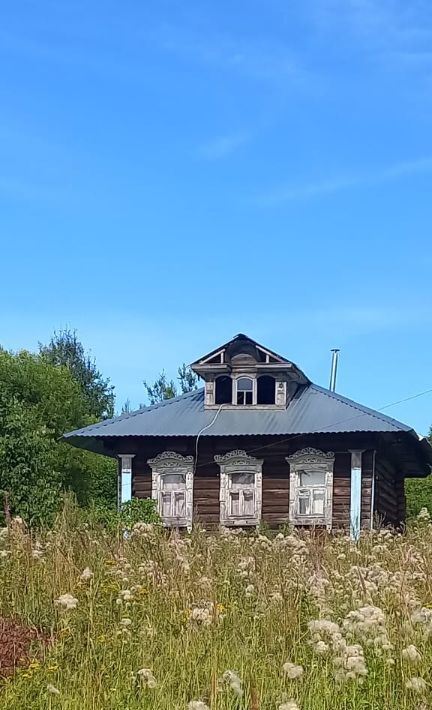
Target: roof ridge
x=359 y=407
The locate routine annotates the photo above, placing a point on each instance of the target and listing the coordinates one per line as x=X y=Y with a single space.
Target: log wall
x=389 y=493
x=275 y=492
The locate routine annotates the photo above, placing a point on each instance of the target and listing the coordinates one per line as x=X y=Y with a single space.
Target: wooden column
x=356 y=491
x=125 y=483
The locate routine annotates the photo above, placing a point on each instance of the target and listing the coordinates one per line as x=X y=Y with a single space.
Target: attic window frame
x=236 y=391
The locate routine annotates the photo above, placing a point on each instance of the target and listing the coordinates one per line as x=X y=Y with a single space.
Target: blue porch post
x=356 y=491
x=125 y=478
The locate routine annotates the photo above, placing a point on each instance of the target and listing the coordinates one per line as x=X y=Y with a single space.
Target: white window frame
x=238 y=461
x=312 y=459
x=245 y=376
x=170 y=462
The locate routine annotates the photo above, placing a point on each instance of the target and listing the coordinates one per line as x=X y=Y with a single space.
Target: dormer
x=244 y=374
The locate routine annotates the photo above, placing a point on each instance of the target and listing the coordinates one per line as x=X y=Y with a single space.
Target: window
x=172 y=502
x=311 y=491
x=244 y=390
x=240 y=488
x=172 y=488
x=223 y=393
x=266 y=390
x=242 y=495
x=311 y=487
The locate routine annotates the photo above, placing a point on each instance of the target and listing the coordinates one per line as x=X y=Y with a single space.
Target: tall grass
x=214 y=618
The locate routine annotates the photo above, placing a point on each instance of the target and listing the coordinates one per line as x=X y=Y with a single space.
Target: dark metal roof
x=313 y=410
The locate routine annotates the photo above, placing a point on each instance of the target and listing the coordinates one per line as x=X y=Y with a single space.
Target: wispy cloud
x=393 y=33
x=329 y=186
x=223 y=146
x=256 y=59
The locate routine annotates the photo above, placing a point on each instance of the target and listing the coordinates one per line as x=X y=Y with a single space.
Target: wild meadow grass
x=257 y=621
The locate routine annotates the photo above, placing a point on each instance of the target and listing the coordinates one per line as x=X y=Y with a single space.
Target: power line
x=400 y=401
x=321 y=429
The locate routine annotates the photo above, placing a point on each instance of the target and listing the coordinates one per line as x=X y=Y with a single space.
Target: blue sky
x=172 y=173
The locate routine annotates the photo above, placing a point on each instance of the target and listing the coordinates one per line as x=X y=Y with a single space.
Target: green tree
x=418 y=493
x=38 y=403
x=161 y=389
x=66 y=349
x=29 y=481
x=187 y=378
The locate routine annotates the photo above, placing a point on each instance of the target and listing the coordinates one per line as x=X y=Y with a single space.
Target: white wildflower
x=38 y=551
x=197 y=705
x=350 y=664
x=147 y=678
x=423 y=617
x=246 y=564
x=424 y=516
x=289 y=705
x=86 y=574
x=234 y=682
x=418 y=685
x=276 y=597
x=4 y=554
x=250 y=590
x=321 y=648
x=52 y=689
x=411 y=654
x=67 y=601
x=201 y=615
x=292 y=671
x=125 y=595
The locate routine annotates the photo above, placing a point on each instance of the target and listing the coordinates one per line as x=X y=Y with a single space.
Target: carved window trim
x=238 y=461
x=301 y=461
x=170 y=462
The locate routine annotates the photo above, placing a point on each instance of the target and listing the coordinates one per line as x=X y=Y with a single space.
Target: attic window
x=244 y=391
x=266 y=390
x=223 y=393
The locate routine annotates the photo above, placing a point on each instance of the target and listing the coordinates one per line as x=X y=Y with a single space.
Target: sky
x=173 y=173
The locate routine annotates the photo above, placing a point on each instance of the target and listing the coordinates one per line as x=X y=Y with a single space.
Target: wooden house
x=261 y=443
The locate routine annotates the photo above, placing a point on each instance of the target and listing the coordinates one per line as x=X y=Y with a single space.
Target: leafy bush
x=135 y=511
x=418 y=493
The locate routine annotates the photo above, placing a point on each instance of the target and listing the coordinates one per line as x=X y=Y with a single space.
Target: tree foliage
x=163 y=389
x=418 y=493
x=39 y=401
x=66 y=349
x=187 y=378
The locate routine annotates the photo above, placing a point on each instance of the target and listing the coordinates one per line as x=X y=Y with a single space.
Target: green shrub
x=135 y=511
x=418 y=493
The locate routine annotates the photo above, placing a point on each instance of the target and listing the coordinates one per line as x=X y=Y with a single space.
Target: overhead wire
x=316 y=431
